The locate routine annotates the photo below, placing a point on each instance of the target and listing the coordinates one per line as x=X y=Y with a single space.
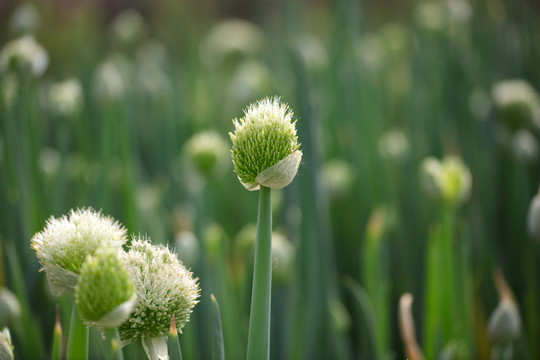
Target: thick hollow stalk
x=259 y=321
x=77 y=347
x=114 y=344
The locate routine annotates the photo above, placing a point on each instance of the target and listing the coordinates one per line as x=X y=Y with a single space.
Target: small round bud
x=207 y=152
x=265 y=146
x=533 y=218
x=128 y=28
x=164 y=288
x=111 y=79
x=393 y=145
x=10 y=309
x=517 y=104
x=282 y=259
x=6 y=347
x=105 y=294
x=504 y=323
x=63 y=245
x=24 y=56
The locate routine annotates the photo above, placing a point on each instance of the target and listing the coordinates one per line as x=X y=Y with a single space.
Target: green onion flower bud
x=66 y=98
x=63 y=245
x=207 y=152
x=6 y=347
x=533 y=218
x=105 y=294
x=448 y=180
x=265 y=146
x=504 y=323
x=164 y=288
x=517 y=104
x=24 y=56
x=10 y=309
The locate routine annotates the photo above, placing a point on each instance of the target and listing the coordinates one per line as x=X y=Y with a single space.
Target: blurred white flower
x=393 y=145
x=187 y=247
x=252 y=79
x=228 y=38
x=282 y=259
x=128 y=28
x=337 y=177
x=448 y=180
x=10 y=309
x=66 y=98
x=49 y=161
x=312 y=51
x=111 y=78
x=24 y=56
x=525 y=146
x=517 y=103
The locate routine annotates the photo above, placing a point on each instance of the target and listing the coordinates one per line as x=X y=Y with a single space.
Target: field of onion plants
x=270 y=180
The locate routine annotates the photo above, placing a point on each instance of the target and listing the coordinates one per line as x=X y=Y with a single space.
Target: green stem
x=259 y=321
x=113 y=343
x=77 y=347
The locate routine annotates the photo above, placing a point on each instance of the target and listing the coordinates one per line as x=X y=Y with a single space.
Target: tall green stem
x=259 y=321
x=113 y=344
x=77 y=347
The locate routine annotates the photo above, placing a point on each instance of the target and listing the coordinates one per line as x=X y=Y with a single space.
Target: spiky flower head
x=63 y=245
x=517 y=103
x=105 y=294
x=164 y=288
x=265 y=146
x=448 y=180
x=207 y=152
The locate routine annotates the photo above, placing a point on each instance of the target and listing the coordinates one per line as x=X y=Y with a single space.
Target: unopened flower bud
x=105 y=294
x=517 y=104
x=265 y=148
x=504 y=323
x=207 y=152
x=282 y=259
x=448 y=180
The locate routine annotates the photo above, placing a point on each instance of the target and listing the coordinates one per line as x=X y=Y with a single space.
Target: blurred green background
x=100 y=103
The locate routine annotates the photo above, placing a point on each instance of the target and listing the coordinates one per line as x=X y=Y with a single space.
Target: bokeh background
x=125 y=106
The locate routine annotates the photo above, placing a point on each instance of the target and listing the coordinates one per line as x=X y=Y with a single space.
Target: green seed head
x=63 y=245
x=164 y=288
x=103 y=287
x=265 y=146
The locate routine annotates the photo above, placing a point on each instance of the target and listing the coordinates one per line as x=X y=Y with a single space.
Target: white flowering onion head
x=63 y=245
x=265 y=148
x=105 y=294
x=164 y=288
x=448 y=180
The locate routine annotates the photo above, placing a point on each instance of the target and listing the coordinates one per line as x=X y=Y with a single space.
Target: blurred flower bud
x=448 y=180
x=230 y=38
x=517 y=104
x=282 y=259
x=533 y=218
x=49 y=161
x=208 y=153
x=24 y=56
x=393 y=145
x=64 y=243
x=312 y=51
x=215 y=240
x=128 y=28
x=187 y=248
x=66 y=98
x=111 y=78
x=105 y=294
x=251 y=79
x=25 y=19
x=337 y=177
x=265 y=149
x=504 y=323
x=524 y=146
x=6 y=347
x=10 y=309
